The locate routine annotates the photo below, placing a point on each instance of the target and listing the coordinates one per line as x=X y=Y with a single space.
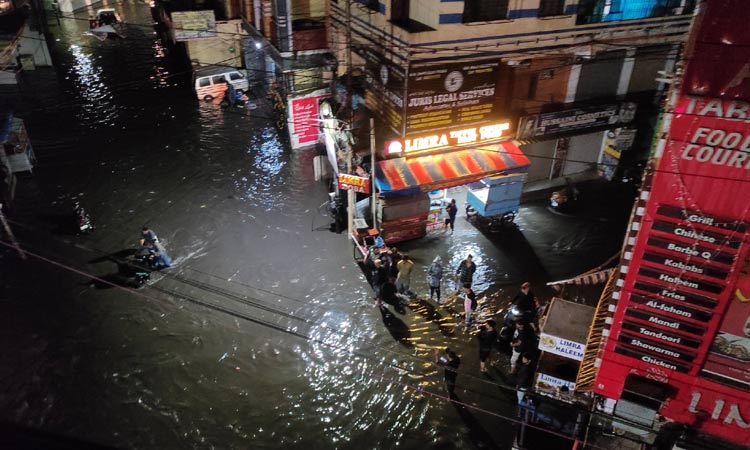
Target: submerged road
x=264 y=333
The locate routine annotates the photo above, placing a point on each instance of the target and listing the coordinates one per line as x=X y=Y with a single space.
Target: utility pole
x=373 y=194
x=350 y=150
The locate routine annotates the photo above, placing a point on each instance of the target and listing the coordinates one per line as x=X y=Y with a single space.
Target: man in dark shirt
x=525 y=378
x=487 y=337
x=466 y=271
x=450 y=362
x=524 y=341
x=525 y=298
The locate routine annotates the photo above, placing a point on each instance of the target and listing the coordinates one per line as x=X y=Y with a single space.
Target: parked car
x=107 y=16
x=211 y=86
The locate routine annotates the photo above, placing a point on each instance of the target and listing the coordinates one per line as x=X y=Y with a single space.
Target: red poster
x=304 y=127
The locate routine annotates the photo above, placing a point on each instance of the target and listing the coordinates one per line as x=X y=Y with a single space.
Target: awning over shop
x=598 y=277
x=450 y=169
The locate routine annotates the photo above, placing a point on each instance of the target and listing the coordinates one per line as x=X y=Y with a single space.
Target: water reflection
x=161 y=76
x=97 y=107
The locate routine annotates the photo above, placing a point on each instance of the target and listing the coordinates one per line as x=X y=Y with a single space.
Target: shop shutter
x=600 y=76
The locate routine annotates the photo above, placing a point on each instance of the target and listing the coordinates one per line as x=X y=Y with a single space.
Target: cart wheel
x=509 y=218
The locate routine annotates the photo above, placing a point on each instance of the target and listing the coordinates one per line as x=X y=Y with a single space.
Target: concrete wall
x=517 y=37
x=33 y=43
x=216 y=50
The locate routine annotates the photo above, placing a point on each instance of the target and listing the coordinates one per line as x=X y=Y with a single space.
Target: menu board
x=678 y=287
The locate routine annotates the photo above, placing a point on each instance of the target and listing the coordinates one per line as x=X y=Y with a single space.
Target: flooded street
x=264 y=333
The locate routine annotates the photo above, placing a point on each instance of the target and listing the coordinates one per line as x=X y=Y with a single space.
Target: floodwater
x=263 y=334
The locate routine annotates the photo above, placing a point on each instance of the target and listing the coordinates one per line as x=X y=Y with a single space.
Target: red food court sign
x=682 y=315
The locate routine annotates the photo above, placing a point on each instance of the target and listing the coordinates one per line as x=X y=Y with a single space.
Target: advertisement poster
x=617 y=141
x=304 y=129
x=728 y=359
x=450 y=96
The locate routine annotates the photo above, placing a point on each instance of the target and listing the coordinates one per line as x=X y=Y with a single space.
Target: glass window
x=219 y=79
x=485 y=10
x=235 y=76
x=203 y=82
x=551 y=8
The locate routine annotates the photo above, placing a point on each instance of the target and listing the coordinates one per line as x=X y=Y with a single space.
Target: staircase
x=595 y=341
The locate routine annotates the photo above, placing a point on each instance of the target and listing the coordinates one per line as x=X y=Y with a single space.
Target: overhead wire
x=264 y=323
x=258 y=303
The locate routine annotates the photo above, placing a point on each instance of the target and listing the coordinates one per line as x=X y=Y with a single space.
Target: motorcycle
x=240 y=99
x=83 y=220
x=565 y=200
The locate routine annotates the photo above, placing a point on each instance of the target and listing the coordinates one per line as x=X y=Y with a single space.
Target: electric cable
x=305 y=337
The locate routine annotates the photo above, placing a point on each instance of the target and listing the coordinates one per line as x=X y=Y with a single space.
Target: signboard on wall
x=447 y=139
x=385 y=81
x=561 y=347
x=304 y=128
x=579 y=119
x=450 y=95
x=354 y=183
x=682 y=317
x=188 y=25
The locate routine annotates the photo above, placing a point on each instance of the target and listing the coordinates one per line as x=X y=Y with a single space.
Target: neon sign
x=463 y=136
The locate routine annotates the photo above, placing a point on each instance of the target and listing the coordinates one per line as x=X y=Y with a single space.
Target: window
x=415 y=16
x=485 y=10
x=372 y=5
x=235 y=76
x=203 y=82
x=551 y=8
x=400 y=11
x=219 y=79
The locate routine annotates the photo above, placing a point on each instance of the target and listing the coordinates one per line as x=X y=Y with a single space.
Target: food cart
x=495 y=200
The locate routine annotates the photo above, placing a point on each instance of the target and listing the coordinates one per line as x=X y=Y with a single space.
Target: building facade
x=676 y=343
x=569 y=79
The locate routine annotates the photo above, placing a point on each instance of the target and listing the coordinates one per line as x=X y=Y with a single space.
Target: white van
x=209 y=87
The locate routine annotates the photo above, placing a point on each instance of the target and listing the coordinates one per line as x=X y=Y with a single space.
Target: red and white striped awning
x=598 y=277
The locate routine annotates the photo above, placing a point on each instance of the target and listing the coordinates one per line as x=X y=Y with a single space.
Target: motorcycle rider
x=230 y=94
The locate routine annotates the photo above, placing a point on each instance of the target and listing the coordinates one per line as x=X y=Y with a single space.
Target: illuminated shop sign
x=354 y=183
x=465 y=136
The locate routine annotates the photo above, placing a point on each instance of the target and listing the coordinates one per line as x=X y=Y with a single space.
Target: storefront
x=413 y=167
x=680 y=314
x=562 y=342
x=576 y=142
